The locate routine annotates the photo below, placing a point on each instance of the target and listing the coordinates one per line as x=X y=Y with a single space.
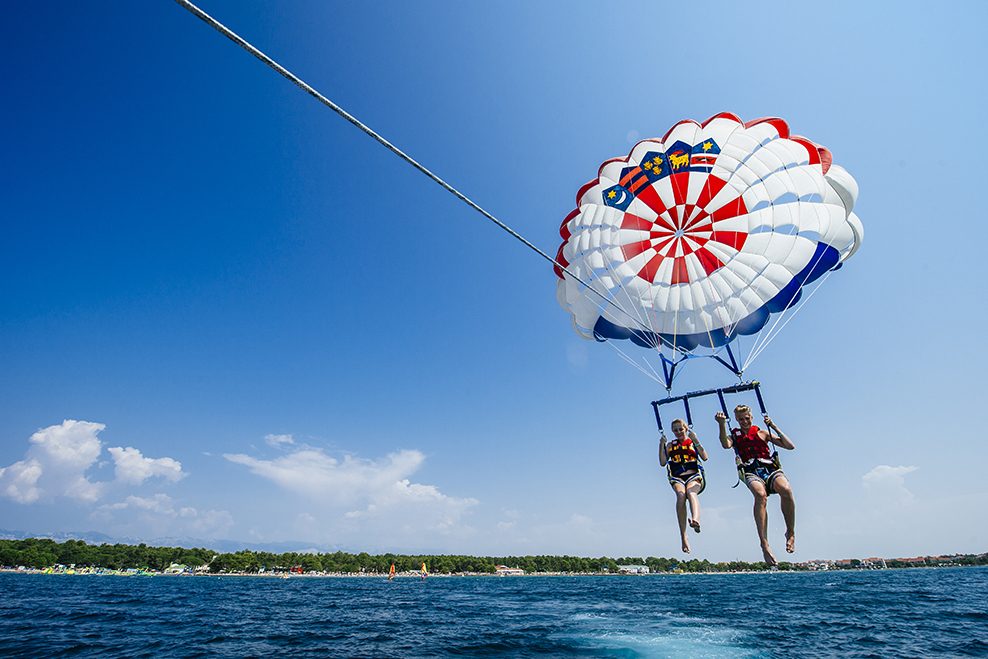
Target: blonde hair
x=741 y=408
x=679 y=421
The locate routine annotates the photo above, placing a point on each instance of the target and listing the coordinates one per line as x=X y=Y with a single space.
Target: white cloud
x=133 y=468
x=207 y=523
x=580 y=520
x=19 y=481
x=55 y=465
x=160 y=514
x=159 y=503
x=380 y=486
x=886 y=484
x=59 y=457
x=315 y=475
x=82 y=489
x=72 y=445
x=278 y=440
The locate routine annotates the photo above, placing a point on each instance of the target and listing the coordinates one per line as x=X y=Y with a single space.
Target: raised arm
x=725 y=433
x=781 y=441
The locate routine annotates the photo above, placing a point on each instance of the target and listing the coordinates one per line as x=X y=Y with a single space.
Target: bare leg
x=681 y=515
x=761 y=520
x=788 y=503
x=694 y=501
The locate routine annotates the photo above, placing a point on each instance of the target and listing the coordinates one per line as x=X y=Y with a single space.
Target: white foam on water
x=667 y=637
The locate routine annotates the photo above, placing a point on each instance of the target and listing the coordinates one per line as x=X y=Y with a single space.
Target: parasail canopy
x=699 y=237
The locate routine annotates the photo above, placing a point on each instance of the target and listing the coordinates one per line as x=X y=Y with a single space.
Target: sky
x=228 y=314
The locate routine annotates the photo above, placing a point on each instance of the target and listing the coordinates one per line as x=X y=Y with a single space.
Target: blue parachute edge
x=825 y=258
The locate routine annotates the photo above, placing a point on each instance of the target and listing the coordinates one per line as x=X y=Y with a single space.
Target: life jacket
x=682 y=454
x=750 y=447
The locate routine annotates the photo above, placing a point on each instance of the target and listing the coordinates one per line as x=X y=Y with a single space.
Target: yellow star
x=707 y=146
x=612 y=194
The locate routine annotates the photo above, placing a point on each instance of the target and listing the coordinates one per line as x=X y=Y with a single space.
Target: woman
x=681 y=457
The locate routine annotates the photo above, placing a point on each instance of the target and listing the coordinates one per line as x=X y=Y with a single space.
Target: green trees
x=43 y=553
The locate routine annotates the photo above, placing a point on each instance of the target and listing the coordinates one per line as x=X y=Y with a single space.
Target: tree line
x=41 y=553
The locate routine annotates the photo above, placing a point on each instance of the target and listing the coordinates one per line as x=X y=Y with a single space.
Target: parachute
x=703 y=236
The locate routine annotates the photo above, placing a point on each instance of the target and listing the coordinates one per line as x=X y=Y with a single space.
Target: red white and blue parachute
x=700 y=237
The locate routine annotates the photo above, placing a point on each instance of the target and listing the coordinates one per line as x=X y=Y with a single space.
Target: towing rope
x=232 y=36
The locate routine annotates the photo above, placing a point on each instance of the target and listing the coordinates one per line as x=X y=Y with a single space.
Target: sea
x=880 y=613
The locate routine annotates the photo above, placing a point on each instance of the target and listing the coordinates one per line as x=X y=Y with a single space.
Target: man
x=762 y=472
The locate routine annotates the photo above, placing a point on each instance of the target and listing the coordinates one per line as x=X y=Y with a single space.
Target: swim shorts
x=763 y=473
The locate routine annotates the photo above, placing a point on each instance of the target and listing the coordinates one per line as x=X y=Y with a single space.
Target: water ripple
x=881 y=614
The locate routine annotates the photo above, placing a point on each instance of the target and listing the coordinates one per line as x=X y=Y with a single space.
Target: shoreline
x=416 y=576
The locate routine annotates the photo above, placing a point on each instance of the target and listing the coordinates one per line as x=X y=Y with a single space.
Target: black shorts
x=685 y=479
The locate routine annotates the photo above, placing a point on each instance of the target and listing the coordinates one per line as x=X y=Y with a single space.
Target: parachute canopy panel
x=698 y=237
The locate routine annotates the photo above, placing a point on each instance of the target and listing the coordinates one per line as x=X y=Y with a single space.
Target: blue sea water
x=888 y=613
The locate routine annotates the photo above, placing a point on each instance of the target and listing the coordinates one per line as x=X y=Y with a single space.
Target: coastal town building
x=632 y=569
x=505 y=571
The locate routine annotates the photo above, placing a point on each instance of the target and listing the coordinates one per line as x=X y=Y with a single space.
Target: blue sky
x=225 y=313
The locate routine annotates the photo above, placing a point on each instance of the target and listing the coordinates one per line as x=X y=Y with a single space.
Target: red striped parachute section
x=703 y=236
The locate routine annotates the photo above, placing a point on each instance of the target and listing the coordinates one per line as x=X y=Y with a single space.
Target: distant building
x=913 y=561
x=632 y=569
x=504 y=571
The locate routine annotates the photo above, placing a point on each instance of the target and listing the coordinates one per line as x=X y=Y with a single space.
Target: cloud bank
x=59 y=457
x=365 y=489
x=886 y=485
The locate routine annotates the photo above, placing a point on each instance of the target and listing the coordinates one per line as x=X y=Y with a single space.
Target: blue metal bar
x=658 y=419
x=733 y=361
x=665 y=372
x=735 y=389
x=723 y=404
x=732 y=369
x=758 y=394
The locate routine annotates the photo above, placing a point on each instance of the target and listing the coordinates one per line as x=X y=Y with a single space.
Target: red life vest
x=681 y=453
x=750 y=447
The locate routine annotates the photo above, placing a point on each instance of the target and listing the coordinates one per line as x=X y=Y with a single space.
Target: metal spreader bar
x=735 y=389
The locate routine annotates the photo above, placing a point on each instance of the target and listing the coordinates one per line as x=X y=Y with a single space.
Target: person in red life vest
x=759 y=466
x=681 y=458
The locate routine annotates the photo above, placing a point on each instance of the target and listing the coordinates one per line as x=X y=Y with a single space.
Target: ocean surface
x=888 y=613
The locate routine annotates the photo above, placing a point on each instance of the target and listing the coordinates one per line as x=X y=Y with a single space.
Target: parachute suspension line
x=640 y=317
x=767 y=334
x=706 y=325
x=773 y=332
x=298 y=82
x=648 y=372
x=718 y=300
